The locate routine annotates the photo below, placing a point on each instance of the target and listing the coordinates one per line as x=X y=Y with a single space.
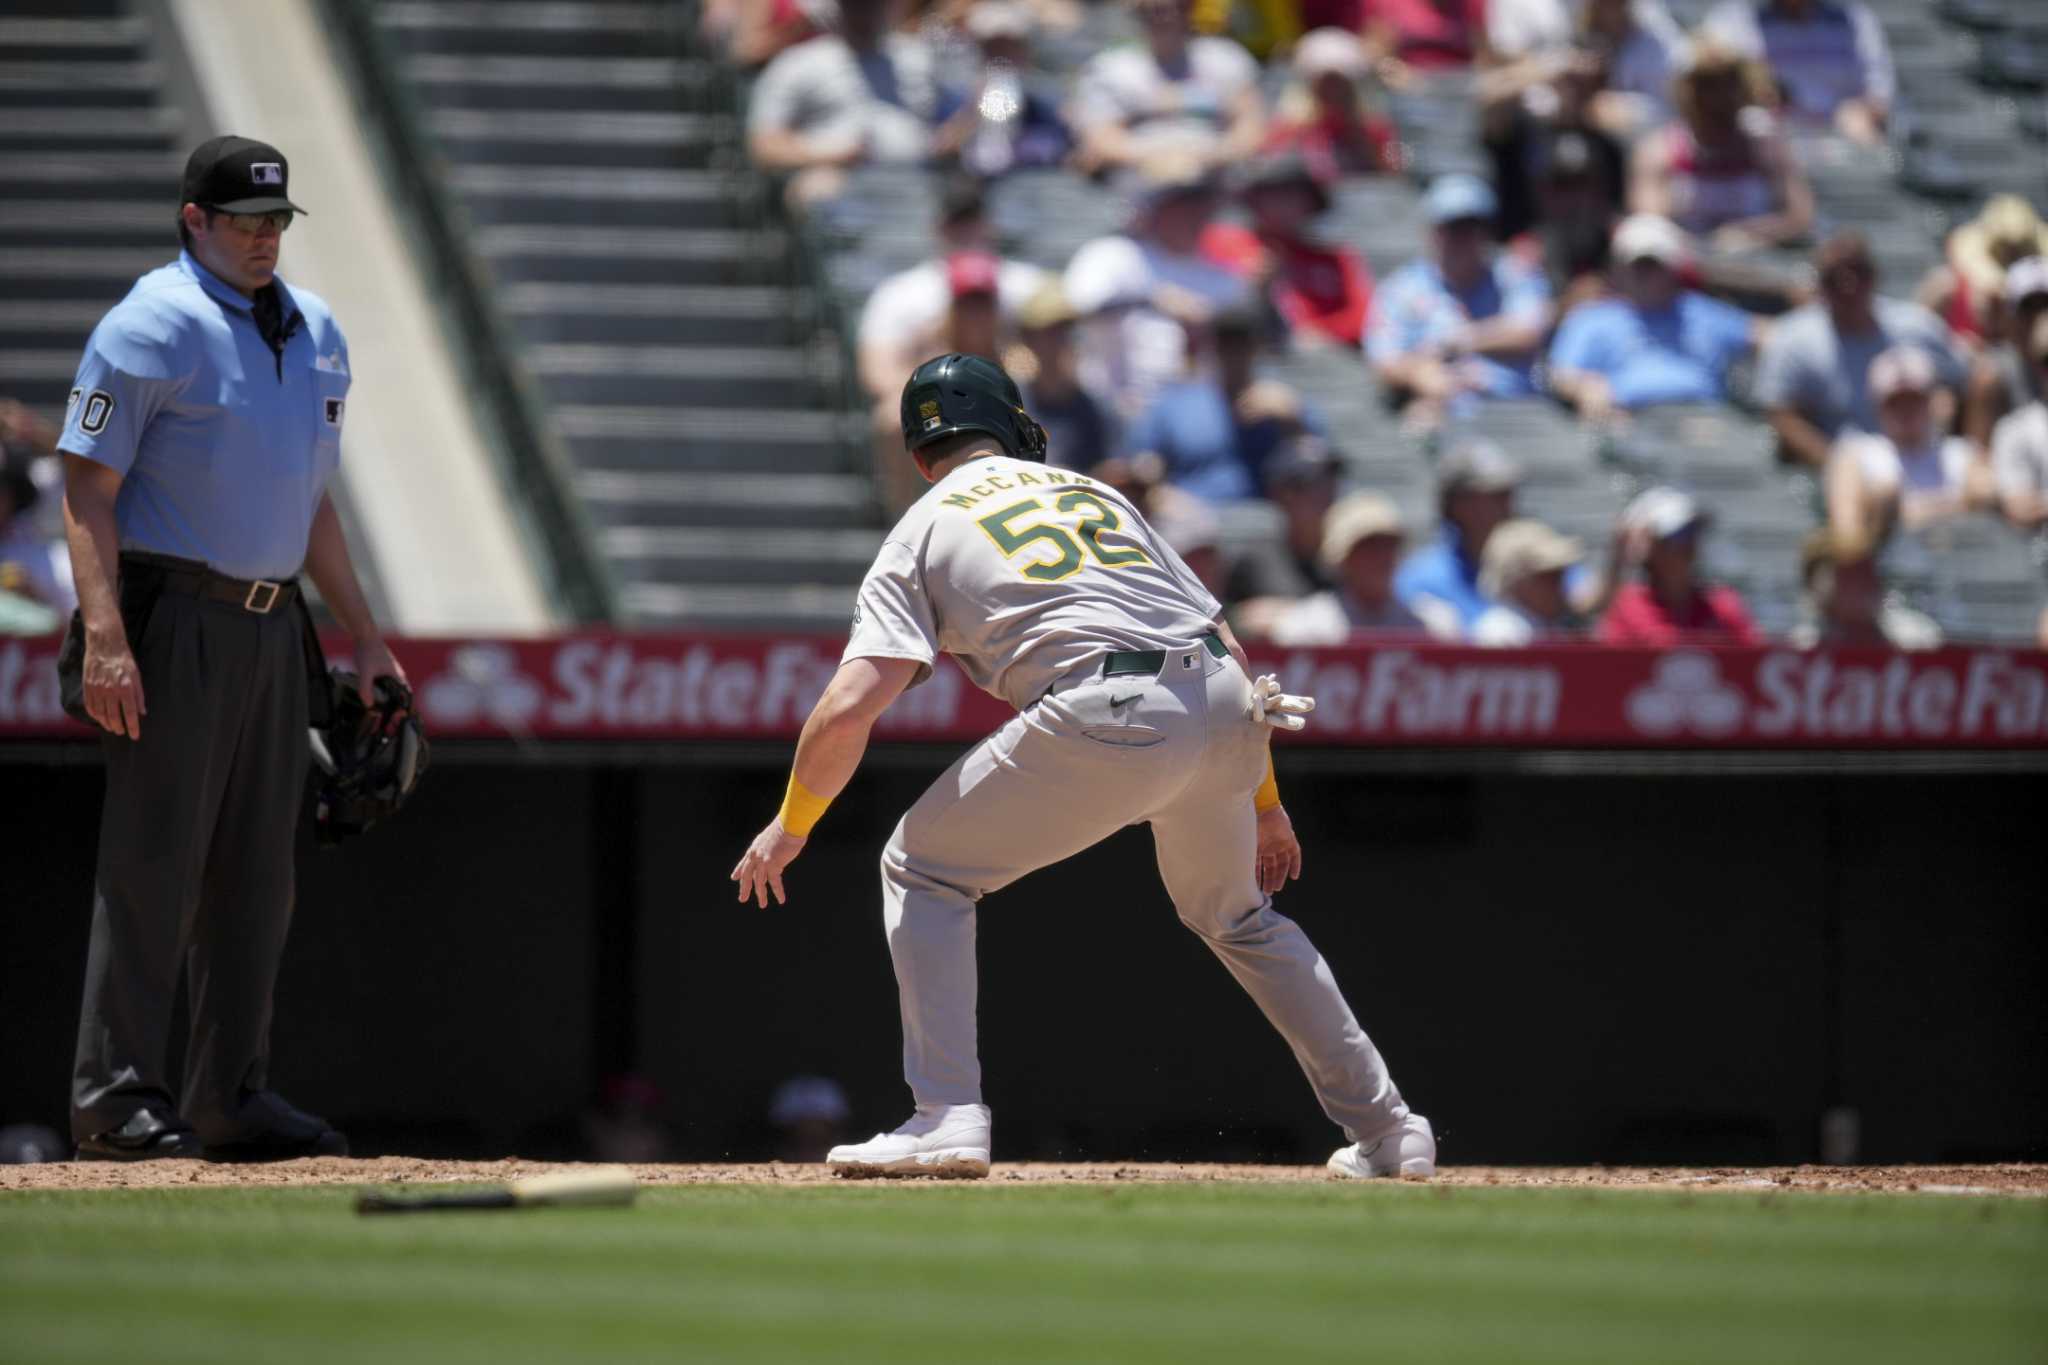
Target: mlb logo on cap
x=266 y=173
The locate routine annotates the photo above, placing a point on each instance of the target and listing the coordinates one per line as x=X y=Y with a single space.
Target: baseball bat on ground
x=606 y=1186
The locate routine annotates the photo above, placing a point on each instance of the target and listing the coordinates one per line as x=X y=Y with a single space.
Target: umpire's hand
x=113 y=684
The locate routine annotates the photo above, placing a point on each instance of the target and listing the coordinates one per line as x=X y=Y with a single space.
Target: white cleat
x=944 y=1141
x=1409 y=1152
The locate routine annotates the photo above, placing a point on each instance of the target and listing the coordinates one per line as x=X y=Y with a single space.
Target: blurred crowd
x=35 y=569
x=1606 y=260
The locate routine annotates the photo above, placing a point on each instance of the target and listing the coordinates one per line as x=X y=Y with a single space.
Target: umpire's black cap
x=239 y=175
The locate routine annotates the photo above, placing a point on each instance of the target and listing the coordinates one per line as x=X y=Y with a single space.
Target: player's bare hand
x=113 y=685
x=374 y=660
x=1279 y=859
x=760 y=870
x=1271 y=706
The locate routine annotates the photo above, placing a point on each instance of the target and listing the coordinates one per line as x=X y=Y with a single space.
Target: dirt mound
x=2031 y=1179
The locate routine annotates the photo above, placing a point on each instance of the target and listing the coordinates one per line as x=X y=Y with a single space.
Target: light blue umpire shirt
x=225 y=445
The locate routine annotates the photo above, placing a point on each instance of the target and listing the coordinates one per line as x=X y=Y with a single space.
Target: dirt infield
x=2022 y=1180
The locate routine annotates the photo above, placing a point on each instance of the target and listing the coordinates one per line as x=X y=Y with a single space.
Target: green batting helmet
x=949 y=394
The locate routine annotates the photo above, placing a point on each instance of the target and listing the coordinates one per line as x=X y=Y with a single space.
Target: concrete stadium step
x=611 y=83
x=45 y=272
x=766 y=375
x=48 y=324
x=93 y=175
x=793 y=608
x=757 y=440
x=112 y=84
x=126 y=222
x=61 y=128
x=632 y=255
x=596 y=138
x=40 y=377
x=500 y=195
x=54 y=38
x=736 y=315
x=747 y=554
x=522 y=27
x=679 y=498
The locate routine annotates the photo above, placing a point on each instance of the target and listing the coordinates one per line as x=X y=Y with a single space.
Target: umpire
x=201 y=436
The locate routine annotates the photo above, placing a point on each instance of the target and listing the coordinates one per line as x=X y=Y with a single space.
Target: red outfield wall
x=688 y=687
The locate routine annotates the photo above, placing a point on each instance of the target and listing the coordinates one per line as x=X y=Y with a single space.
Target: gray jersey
x=1024 y=573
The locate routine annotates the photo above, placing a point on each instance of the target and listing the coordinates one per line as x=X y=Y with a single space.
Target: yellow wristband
x=801 y=808
x=1268 y=794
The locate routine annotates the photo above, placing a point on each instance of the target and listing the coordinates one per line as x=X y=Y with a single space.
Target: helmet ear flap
x=1030 y=437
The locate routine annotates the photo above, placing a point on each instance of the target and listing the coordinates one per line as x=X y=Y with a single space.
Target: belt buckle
x=249 y=602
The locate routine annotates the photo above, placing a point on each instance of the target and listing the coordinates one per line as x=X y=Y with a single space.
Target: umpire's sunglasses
x=281 y=219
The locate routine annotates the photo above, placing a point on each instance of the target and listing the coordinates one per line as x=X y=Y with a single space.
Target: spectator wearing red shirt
x=1422 y=37
x=1661 y=531
x=1320 y=291
x=1324 y=113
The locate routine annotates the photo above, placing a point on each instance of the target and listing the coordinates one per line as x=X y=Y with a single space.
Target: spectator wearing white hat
x=1463 y=321
x=1907 y=473
x=1657 y=342
x=1671 y=605
x=1523 y=572
x=1327 y=112
x=1176 y=91
x=2002 y=379
x=1362 y=541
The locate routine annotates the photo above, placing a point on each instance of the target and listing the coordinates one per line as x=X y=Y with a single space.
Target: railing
x=532 y=465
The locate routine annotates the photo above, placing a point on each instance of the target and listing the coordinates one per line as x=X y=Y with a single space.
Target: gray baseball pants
x=1179 y=751
x=195 y=869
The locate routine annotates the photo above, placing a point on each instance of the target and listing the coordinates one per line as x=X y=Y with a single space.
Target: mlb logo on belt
x=334 y=407
x=266 y=173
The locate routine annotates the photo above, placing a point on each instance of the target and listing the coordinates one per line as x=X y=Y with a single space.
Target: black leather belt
x=1125 y=663
x=260 y=595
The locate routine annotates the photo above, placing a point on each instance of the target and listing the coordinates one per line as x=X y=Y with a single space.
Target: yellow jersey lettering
x=996 y=481
x=960 y=500
x=1025 y=476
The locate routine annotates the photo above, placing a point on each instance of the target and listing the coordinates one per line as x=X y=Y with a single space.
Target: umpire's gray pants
x=195 y=868
x=1183 y=754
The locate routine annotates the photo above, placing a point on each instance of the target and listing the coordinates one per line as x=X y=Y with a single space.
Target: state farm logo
x=1685 y=693
x=483 y=682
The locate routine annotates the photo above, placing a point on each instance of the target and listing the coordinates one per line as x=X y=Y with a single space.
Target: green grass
x=973 y=1275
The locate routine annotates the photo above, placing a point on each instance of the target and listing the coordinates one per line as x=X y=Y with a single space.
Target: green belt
x=1124 y=663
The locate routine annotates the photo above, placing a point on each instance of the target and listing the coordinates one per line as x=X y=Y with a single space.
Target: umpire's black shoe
x=280 y=1146
x=146 y=1136
x=277 y=1131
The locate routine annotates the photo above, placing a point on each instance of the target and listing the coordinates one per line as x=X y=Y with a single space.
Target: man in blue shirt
x=201 y=435
x=1658 y=342
x=1213 y=437
x=1439 y=583
x=1463 y=323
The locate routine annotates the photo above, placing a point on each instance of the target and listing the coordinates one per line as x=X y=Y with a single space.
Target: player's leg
x=1055 y=780
x=1039 y=790
x=246 y=907
x=163 y=791
x=1207 y=841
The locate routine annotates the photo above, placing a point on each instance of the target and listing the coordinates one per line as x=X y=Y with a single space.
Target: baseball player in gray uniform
x=1134 y=705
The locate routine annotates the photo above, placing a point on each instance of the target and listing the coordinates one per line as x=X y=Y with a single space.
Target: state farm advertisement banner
x=690 y=687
